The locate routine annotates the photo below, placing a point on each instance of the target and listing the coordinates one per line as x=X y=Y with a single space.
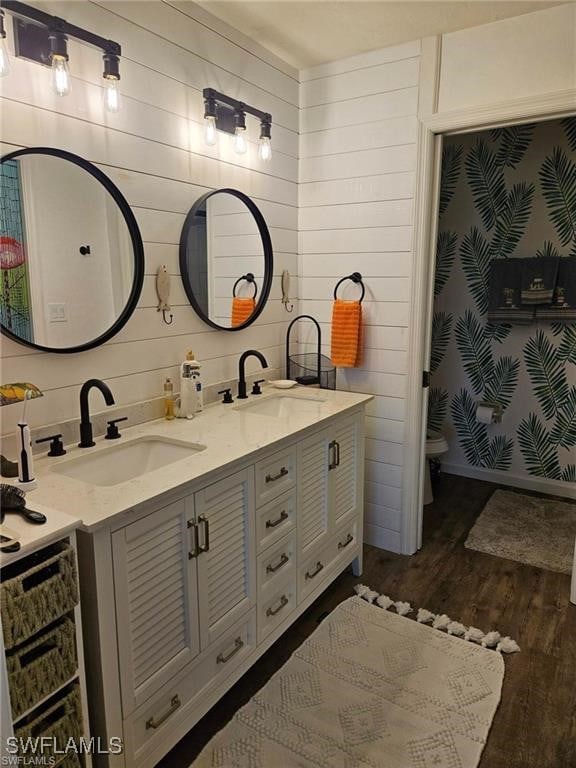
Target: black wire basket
x=303 y=368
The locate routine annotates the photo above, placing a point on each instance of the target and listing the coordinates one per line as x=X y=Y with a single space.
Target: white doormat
x=368 y=689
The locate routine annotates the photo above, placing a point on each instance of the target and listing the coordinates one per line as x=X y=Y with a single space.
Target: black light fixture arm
x=212 y=98
x=61 y=26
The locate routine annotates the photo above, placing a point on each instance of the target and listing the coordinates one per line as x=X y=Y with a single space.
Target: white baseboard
x=383 y=538
x=528 y=483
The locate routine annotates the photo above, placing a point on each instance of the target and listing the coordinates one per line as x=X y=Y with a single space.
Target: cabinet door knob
x=273 y=611
x=174 y=705
x=316 y=571
x=274 y=523
x=222 y=658
x=271 y=478
x=273 y=568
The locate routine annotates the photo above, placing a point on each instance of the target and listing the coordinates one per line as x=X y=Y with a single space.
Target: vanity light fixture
x=111 y=78
x=41 y=37
x=264 y=143
x=210 y=136
x=240 y=145
x=4 y=60
x=223 y=113
x=59 y=62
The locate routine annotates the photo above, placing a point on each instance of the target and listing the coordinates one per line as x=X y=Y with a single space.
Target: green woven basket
x=60 y=721
x=33 y=598
x=39 y=667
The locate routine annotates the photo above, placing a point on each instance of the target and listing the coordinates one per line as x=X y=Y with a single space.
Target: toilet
x=436 y=446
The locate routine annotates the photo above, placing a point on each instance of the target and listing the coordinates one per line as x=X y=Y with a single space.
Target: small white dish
x=283 y=383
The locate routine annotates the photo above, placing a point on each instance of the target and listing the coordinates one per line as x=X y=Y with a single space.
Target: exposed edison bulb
x=240 y=145
x=4 y=60
x=60 y=75
x=112 y=94
x=264 y=148
x=210 y=130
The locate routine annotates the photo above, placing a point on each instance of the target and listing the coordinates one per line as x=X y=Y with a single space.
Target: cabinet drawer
x=313 y=571
x=277 y=563
x=276 y=606
x=274 y=475
x=171 y=706
x=275 y=520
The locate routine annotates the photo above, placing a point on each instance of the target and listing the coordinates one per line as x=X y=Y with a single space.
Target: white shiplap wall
x=153 y=149
x=357 y=183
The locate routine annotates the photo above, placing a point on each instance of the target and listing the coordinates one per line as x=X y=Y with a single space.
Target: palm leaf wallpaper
x=558 y=181
x=505 y=193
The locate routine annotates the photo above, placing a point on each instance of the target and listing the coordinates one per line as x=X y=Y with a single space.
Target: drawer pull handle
x=273 y=611
x=271 y=478
x=222 y=658
x=349 y=540
x=316 y=571
x=206 y=525
x=174 y=705
x=194 y=552
x=273 y=568
x=274 y=523
x=332 y=455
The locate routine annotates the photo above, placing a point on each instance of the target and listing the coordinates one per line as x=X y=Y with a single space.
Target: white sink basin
x=284 y=406
x=119 y=463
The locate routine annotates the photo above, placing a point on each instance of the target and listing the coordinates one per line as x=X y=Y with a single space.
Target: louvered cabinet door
x=225 y=519
x=313 y=457
x=344 y=476
x=156 y=603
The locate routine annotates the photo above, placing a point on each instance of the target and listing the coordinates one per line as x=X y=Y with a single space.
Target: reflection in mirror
x=68 y=257
x=224 y=261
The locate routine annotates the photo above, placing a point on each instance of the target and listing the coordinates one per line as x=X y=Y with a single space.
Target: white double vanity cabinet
x=185 y=588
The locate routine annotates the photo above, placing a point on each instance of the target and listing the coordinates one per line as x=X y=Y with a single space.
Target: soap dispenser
x=188 y=391
x=193 y=367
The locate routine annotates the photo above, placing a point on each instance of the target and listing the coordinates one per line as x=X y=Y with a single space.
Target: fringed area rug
x=368 y=689
x=529 y=529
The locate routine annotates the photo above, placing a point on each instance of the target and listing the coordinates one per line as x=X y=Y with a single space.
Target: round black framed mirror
x=71 y=253
x=226 y=259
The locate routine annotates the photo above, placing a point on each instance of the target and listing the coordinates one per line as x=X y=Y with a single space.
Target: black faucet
x=86 y=439
x=242 y=376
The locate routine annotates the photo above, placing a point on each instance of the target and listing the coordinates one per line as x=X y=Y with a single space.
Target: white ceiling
x=309 y=32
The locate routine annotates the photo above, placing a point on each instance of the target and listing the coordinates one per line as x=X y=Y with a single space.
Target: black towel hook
x=356 y=277
x=249 y=277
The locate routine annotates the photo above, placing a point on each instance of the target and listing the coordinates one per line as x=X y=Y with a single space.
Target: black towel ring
x=356 y=277
x=249 y=277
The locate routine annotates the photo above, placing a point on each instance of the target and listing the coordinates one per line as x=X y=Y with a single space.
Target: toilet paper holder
x=496 y=408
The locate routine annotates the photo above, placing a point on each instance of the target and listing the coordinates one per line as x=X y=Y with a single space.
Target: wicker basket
x=39 y=667
x=33 y=596
x=60 y=721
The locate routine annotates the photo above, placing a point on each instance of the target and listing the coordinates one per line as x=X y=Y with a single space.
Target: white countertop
x=229 y=433
x=31 y=536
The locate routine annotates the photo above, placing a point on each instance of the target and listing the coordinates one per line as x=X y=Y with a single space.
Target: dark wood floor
x=535 y=725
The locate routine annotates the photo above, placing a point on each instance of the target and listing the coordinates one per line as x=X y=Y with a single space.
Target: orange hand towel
x=242 y=309
x=346 y=349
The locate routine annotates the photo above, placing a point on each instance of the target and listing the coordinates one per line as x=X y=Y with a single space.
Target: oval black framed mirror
x=71 y=253
x=226 y=259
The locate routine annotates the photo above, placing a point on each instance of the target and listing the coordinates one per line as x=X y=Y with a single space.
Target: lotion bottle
x=168 y=400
